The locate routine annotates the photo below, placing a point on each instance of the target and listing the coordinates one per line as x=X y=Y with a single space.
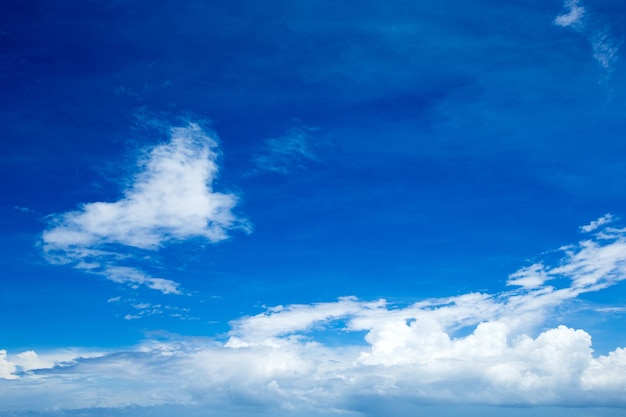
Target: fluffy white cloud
x=607 y=372
x=170 y=199
x=480 y=349
x=7 y=369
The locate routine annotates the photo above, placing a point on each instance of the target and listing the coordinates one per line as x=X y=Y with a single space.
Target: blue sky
x=310 y=208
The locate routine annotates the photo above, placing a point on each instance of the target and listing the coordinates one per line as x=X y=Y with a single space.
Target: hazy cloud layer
x=278 y=362
x=286 y=153
x=170 y=199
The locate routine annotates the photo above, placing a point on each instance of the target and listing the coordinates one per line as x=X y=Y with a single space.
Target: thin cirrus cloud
x=277 y=362
x=170 y=199
x=577 y=17
x=607 y=218
x=286 y=153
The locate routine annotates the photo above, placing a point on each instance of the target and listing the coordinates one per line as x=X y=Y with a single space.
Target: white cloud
x=594 y=225
x=530 y=277
x=7 y=369
x=286 y=153
x=473 y=348
x=30 y=360
x=604 y=47
x=607 y=372
x=135 y=278
x=170 y=199
x=572 y=16
x=22 y=364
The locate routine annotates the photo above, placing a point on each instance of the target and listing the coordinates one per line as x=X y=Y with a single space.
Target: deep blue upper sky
x=403 y=150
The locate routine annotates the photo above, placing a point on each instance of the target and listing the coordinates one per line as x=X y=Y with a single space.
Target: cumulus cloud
x=472 y=348
x=7 y=369
x=286 y=153
x=604 y=47
x=170 y=199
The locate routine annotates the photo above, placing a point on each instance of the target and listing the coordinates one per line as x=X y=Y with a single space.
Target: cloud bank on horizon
x=170 y=199
x=278 y=361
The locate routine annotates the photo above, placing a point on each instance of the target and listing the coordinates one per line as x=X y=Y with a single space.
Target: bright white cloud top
x=170 y=199
x=278 y=360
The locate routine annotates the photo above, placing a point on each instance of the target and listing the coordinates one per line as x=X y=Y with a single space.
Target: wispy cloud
x=611 y=310
x=23 y=209
x=605 y=48
x=146 y=309
x=573 y=15
x=277 y=361
x=577 y=17
x=286 y=153
x=594 y=225
x=170 y=199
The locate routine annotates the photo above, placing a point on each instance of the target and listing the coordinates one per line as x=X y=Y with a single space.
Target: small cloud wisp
x=576 y=17
x=286 y=153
